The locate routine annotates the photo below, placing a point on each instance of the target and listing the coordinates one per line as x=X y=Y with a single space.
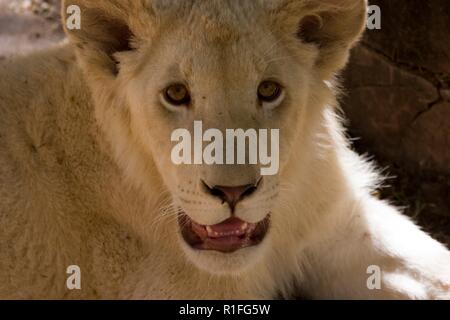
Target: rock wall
x=398 y=85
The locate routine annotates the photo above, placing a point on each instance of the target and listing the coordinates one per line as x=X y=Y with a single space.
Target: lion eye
x=269 y=91
x=177 y=95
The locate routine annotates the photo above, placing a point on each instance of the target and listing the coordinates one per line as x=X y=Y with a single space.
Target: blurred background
x=396 y=100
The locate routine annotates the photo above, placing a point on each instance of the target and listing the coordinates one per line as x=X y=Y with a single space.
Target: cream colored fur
x=86 y=177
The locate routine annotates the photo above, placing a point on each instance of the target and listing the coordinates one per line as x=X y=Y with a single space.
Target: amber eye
x=177 y=95
x=269 y=91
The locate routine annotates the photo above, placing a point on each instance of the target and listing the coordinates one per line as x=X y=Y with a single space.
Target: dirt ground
x=21 y=30
x=27 y=25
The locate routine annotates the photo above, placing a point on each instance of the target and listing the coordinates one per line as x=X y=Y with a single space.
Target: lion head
x=157 y=66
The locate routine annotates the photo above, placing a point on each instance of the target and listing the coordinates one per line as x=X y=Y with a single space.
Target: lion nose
x=232 y=195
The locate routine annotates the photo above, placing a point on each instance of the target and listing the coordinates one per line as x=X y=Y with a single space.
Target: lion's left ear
x=333 y=26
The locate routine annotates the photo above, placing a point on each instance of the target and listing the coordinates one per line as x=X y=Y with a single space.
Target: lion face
x=242 y=80
x=243 y=67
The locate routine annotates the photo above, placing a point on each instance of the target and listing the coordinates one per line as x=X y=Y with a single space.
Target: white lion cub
x=87 y=181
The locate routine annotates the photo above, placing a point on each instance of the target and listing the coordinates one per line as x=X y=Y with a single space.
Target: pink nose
x=232 y=195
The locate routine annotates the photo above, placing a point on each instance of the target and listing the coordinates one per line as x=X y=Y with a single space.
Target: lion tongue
x=230 y=227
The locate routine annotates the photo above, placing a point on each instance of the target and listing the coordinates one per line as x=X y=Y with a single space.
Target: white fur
x=86 y=177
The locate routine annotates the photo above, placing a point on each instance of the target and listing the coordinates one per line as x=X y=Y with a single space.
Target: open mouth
x=228 y=236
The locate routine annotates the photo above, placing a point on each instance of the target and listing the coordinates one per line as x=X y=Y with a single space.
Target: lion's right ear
x=100 y=29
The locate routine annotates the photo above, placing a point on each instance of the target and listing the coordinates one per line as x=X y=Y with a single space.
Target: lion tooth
x=211 y=232
x=244 y=226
